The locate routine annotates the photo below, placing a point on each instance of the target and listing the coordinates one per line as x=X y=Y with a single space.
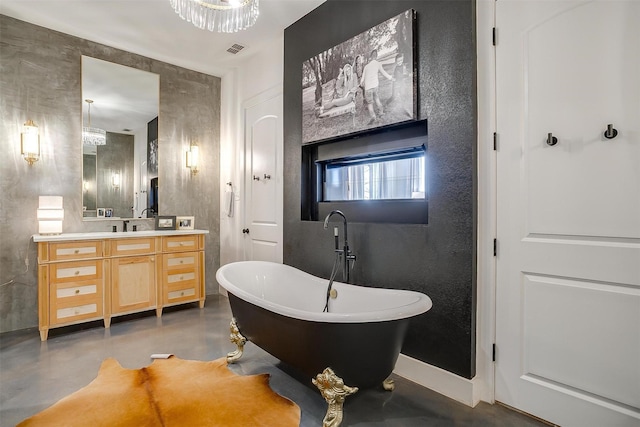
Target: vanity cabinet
x=82 y=280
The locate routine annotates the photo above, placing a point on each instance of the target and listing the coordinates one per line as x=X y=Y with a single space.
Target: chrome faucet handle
x=351 y=258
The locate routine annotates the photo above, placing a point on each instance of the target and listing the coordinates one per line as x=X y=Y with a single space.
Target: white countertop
x=111 y=235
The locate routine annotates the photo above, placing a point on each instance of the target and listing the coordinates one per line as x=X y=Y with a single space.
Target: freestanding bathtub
x=280 y=309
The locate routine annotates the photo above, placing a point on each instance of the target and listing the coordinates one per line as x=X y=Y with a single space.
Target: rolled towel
x=228 y=201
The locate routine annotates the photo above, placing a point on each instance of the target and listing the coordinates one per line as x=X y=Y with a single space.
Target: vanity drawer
x=67 y=272
x=75 y=250
x=135 y=246
x=181 y=261
x=181 y=295
x=180 y=243
x=76 y=301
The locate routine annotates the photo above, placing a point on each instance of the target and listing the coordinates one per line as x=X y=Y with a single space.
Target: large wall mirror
x=120 y=141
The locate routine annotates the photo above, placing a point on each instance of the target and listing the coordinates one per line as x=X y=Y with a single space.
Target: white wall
x=264 y=70
x=260 y=72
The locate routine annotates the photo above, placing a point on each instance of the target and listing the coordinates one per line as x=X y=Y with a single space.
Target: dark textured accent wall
x=40 y=79
x=438 y=259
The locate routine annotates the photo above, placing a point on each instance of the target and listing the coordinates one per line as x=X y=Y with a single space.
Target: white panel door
x=568 y=266
x=263 y=153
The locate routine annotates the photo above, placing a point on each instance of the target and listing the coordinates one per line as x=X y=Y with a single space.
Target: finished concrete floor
x=35 y=374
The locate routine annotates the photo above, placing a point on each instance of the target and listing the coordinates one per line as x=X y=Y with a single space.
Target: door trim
x=487 y=202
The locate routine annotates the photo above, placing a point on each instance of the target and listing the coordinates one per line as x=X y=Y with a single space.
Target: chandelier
x=223 y=16
x=93 y=136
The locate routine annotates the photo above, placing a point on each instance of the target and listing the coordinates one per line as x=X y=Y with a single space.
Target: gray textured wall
x=116 y=156
x=40 y=80
x=438 y=258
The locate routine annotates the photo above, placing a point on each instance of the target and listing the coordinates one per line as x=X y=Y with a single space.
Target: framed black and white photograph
x=152 y=157
x=364 y=83
x=165 y=223
x=185 y=222
x=100 y=212
x=108 y=212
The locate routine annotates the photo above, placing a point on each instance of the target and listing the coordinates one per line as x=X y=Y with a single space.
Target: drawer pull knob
x=181 y=243
x=182 y=294
x=77 y=272
x=181 y=277
x=77 y=291
x=77 y=251
x=181 y=261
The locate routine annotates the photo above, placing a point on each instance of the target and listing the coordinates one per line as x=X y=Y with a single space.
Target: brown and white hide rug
x=171 y=392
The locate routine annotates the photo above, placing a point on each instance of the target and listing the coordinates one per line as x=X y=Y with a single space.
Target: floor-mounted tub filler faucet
x=343 y=254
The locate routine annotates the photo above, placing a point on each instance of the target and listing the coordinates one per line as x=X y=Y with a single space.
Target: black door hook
x=610 y=133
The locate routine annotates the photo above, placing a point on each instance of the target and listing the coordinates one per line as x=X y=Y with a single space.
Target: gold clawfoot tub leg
x=334 y=391
x=236 y=338
x=388 y=384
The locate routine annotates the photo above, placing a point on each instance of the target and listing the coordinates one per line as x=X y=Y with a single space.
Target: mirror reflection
x=120 y=141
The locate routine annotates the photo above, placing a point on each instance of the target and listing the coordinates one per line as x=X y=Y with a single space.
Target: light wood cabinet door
x=133 y=284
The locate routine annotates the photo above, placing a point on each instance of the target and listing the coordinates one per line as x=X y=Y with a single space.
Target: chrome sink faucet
x=345 y=252
x=151 y=211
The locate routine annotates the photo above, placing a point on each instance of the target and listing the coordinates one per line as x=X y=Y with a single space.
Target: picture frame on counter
x=185 y=222
x=165 y=222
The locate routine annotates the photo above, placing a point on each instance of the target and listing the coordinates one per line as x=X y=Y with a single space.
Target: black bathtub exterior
x=362 y=354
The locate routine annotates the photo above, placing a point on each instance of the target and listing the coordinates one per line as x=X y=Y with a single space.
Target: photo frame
x=185 y=222
x=108 y=212
x=165 y=222
x=100 y=212
x=361 y=84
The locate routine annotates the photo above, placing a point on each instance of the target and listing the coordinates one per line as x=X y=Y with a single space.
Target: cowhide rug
x=171 y=392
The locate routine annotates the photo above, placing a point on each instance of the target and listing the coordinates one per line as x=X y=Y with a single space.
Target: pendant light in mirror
x=91 y=135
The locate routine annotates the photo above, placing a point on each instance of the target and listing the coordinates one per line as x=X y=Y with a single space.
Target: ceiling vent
x=235 y=48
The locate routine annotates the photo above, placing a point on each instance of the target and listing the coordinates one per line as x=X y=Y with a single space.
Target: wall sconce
x=192 y=158
x=50 y=215
x=115 y=180
x=30 y=142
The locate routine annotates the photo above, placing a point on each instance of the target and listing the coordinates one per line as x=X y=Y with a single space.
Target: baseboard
x=438 y=380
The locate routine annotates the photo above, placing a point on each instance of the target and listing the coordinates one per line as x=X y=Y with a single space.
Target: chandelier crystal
x=91 y=135
x=222 y=16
